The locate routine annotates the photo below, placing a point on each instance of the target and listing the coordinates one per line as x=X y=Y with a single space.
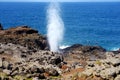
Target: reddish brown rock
x=24 y=36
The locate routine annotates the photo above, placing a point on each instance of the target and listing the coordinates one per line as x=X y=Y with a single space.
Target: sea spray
x=55 y=26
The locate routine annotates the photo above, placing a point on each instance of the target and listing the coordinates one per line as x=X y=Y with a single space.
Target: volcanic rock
x=24 y=36
x=35 y=63
x=107 y=68
x=84 y=49
x=1 y=28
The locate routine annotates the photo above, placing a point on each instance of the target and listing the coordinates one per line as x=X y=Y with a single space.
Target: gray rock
x=41 y=70
x=2 y=51
x=34 y=69
x=0 y=62
x=7 y=71
x=14 y=73
x=88 y=72
x=29 y=75
x=56 y=60
x=108 y=73
x=6 y=65
x=115 y=62
x=35 y=78
x=53 y=72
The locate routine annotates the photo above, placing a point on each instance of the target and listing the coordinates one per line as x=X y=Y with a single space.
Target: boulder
x=56 y=60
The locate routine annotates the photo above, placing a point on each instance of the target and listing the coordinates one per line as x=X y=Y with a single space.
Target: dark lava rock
x=116 y=52
x=73 y=47
x=79 y=51
x=79 y=47
x=1 y=28
x=24 y=36
x=56 y=60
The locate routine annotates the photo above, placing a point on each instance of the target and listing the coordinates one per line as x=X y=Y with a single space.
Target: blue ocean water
x=85 y=23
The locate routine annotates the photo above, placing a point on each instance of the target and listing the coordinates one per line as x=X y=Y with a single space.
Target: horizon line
x=60 y=1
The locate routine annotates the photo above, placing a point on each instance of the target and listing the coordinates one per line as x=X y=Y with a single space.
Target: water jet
x=55 y=26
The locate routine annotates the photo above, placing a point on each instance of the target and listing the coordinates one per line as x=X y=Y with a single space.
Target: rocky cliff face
x=23 y=56
x=24 y=36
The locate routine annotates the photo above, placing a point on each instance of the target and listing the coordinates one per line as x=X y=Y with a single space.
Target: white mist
x=55 y=26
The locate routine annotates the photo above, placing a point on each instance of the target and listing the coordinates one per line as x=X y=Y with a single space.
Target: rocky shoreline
x=25 y=55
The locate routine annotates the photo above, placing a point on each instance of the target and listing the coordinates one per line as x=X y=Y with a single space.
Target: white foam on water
x=115 y=49
x=64 y=46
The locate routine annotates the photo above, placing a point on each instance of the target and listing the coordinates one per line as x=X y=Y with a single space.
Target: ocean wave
x=115 y=49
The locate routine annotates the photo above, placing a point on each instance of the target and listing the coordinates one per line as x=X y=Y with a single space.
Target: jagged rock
x=25 y=36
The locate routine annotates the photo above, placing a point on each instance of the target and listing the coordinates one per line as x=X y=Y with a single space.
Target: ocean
x=87 y=23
